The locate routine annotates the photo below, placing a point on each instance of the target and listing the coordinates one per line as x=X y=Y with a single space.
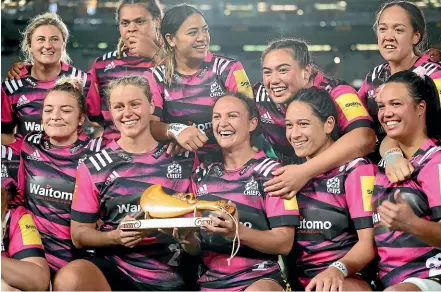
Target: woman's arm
x=277 y=241
x=30 y=274
x=357 y=143
x=362 y=253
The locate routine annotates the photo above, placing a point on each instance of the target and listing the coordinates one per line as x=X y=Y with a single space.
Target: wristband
x=175 y=129
x=341 y=267
x=393 y=152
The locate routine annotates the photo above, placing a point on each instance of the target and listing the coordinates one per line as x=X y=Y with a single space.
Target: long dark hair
x=422 y=88
x=172 y=21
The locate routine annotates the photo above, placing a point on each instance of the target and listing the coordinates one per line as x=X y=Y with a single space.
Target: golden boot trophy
x=161 y=210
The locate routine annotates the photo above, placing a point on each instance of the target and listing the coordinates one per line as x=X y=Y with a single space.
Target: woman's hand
x=398 y=169
x=330 y=279
x=287 y=181
x=223 y=224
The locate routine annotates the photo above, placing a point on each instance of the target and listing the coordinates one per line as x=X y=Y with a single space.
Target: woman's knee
x=80 y=275
x=265 y=285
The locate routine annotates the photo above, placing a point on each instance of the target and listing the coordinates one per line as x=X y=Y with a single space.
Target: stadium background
x=340 y=33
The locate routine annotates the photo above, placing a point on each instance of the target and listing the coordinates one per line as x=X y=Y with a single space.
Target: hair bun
x=75 y=82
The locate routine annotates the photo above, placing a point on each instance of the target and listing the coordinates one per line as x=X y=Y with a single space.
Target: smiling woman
x=44 y=47
x=402 y=36
x=267 y=223
x=48 y=163
x=410 y=211
x=185 y=88
x=332 y=204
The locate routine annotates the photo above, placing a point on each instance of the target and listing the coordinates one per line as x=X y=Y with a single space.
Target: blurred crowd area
x=340 y=34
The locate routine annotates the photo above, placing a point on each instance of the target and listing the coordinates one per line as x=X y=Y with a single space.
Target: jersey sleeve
x=86 y=202
x=280 y=212
x=93 y=98
x=429 y=179
x=237 y=80
x=352 y=112
x=8 y=121
x=24 y=238
x=359 y=187
x=155 y=78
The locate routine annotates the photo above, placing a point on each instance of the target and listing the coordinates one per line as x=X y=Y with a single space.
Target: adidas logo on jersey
x=252 y=188
x=174 y=171
x=111 y=178
x=35 y=156
x=333 y=185
x=109 y=66
x=266 y=118
x=216 y=90
x=22 y=100
x=202 y=190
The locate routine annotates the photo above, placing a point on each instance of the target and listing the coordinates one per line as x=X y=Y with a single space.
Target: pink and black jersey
x=10 y=162
x=109 y=186
x=46 y=181
x=189 y=99
x=21 y=238
x=381 y=73
x=352 y=113
x=22 y=100
x=403 y=255
x=107 y=68
x=258 y=210
x=333 y=206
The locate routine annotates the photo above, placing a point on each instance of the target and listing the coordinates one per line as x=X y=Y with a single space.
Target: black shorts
x=118 y=281
x=225 y=283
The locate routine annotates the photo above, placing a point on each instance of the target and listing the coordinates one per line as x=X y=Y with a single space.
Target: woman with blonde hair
x=44 y=48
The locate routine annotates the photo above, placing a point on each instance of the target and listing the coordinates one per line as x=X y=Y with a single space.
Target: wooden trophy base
x=169 y=223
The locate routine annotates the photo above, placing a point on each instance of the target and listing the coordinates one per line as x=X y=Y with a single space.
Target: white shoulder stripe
x=100 y=159
x=257 y=168
x=269 y=168
x=222 y=69
x=94 y=163
x=215 y=65
x=115 y=53
x=353 y=162
x=19 y=83
x=74 y=72
x=8 y=86
x=107 y=156
x=157 y=74
x=14 y=84
x=428 y=154
x=98 y=144
x=6 y=153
